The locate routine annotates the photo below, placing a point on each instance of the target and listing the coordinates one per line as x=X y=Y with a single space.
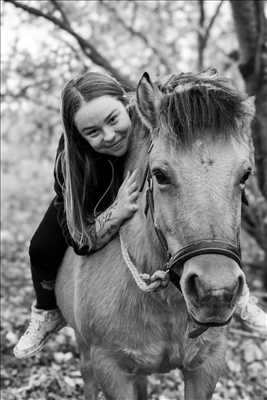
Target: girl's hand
x=127 y=196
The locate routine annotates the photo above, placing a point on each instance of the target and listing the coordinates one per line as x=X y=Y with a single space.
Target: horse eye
x=245 y=177
x=161 y=177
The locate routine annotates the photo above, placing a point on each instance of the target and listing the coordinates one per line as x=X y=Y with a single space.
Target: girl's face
x=105 y=123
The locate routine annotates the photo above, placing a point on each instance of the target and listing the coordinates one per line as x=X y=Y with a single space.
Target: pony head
x=201 y=157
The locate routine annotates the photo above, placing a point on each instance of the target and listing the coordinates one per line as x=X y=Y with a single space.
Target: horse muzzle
x=211 y=286
x=210 y=277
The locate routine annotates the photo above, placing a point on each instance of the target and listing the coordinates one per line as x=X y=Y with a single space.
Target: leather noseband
x=205 y=246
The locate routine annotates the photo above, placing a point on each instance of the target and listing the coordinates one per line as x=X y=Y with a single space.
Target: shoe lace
x=34 y=326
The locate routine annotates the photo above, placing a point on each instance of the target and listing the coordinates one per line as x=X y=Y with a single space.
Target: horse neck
x=139 y=233
x=142 y=243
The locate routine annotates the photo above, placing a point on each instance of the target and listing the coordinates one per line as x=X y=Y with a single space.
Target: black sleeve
x=59 y=204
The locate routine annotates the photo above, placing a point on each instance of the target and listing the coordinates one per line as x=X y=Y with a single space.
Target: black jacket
x=94 y=193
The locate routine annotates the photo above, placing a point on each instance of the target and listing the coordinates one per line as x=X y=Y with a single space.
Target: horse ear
x=148 y=101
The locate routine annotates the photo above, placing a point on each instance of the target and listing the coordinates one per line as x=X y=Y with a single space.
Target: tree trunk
x=251 y=29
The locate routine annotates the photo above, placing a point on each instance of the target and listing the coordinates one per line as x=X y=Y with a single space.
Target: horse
x=191 y=144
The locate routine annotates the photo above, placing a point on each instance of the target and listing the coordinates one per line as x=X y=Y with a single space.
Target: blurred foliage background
x=45 y=43
x=129 y=37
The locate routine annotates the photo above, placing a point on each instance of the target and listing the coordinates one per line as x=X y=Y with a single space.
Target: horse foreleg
x=141 y=387
x=116 y=383
x=200 y=383
x=90 y=386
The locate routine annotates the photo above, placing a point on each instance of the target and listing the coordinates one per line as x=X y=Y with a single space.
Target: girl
x=92 y=200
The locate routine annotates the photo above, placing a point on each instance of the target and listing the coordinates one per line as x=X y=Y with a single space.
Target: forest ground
x=54 y=373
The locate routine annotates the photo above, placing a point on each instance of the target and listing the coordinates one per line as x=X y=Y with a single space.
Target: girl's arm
x=105 y=227
x=108 y=222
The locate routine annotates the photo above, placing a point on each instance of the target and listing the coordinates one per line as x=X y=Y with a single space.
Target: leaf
x=252 y=352
x=12 y=338
x=62 y=357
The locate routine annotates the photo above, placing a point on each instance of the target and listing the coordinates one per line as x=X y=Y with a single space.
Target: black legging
x=46 y=251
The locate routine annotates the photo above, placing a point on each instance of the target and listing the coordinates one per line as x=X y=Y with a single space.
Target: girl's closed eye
x=113 y=120
x=92 y=133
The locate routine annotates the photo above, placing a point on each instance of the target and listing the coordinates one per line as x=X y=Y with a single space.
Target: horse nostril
x=193 y=287
x=241 y=284
x=239 y=288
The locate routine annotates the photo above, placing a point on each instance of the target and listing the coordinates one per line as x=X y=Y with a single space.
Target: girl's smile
x=105 y=123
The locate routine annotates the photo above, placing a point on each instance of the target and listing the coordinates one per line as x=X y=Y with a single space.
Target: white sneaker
x=253 y=317
x=43 y=324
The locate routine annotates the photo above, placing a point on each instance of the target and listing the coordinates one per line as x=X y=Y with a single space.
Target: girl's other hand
x=127 y=196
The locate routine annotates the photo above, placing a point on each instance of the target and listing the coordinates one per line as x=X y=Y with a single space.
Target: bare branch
x=200 y=36
x=212 y=21
x=88 y=49
x=59 y=8
x=134 y=12
x=202 y=33
x=76 y=52
x=136 y=33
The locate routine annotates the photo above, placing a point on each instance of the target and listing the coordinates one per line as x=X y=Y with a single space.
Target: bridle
x=175 y=262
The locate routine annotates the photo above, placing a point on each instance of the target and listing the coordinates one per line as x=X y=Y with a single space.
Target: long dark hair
x=77 y=160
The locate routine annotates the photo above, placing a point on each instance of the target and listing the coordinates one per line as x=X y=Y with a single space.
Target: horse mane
x=197 y=105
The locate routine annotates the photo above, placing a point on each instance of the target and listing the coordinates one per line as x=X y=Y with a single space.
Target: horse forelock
x=195 y=105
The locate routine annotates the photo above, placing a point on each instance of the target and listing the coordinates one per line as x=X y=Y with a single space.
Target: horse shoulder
x=89 y=286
